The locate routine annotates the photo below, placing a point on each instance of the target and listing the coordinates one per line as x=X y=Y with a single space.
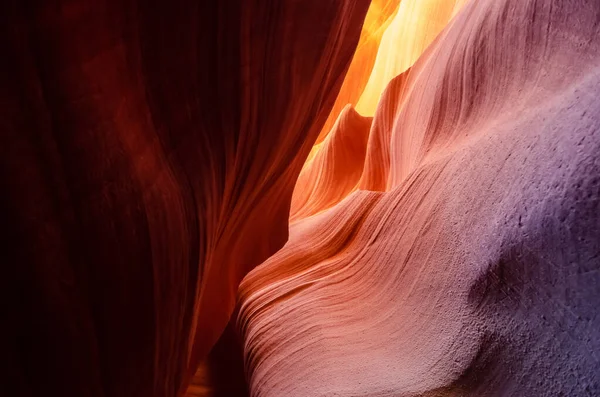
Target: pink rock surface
x=473 y=267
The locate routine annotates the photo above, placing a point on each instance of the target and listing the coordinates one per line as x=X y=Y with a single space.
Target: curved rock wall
x=471 y=266
x=149 y=152
x=156 y=154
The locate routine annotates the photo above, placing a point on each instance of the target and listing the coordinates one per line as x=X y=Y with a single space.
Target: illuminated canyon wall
x=450 y=245
x=301 y=198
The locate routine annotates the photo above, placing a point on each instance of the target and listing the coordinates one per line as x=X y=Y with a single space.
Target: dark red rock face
x=149 y=152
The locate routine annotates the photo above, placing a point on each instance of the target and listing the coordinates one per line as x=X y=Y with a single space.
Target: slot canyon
x=289 y=198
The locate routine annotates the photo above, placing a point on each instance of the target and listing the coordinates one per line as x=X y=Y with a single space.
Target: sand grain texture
x=470 y=265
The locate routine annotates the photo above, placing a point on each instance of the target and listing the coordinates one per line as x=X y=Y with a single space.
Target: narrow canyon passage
x=276 y=198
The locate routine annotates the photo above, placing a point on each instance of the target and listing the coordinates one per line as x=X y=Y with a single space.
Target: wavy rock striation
x=414 y=27
x=379 y=17
x=382 y=54
x=335 y=169
x=149 y=153
x=154 y=153
x=470 y=265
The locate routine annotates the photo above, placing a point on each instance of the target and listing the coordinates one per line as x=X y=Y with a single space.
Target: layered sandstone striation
x=321 y=198
x=470 y=264
x=383 y=53
x=336 y=167
x=149 y=153
x=379 y=17
x=416 y=24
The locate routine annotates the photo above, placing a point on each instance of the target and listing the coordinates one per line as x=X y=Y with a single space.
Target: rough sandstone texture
x=467 y=263
x=449 y=245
